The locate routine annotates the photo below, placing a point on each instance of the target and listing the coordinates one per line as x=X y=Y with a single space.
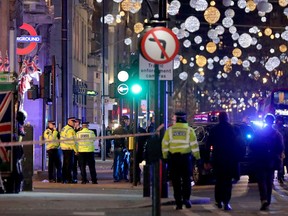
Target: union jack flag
x=6 y=122
x=1 y=63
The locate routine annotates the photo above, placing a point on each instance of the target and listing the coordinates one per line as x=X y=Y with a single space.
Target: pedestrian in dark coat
x=266 y=151
x=279 y=126
x=222 y=139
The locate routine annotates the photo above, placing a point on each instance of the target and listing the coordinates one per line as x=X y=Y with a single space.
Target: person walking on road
x=69 y=149
x=54 y=160
x=179 y=144
x=86 y=153
x=279 y=126
x=120 y=148
x=266 y=152
x=222 y=139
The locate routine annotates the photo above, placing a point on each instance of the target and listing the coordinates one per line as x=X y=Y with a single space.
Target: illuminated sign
x=281 y=112
x=33 y=39
x=91 y=93
x=22 y=39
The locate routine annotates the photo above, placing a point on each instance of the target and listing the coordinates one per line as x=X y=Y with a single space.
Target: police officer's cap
x=78 y=120
x=269 y=118
x=51 y=122
x=180 y=114
x=125 y=117
x=85 y=123
x=71 y=119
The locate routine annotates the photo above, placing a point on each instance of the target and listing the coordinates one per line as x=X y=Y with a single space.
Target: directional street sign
x=159 y=45
x=123 y=89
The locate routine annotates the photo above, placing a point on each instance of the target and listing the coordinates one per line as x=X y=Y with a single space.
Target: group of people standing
x=122 y=159
x=77 y=146
x=267 y=150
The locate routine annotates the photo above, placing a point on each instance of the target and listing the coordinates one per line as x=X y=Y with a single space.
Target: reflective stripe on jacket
x=51 y=135
x=180 y=138
x=85 y=145
x=68 y=132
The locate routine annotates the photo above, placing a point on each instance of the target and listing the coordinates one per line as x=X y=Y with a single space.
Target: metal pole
x=156 y=199
x=103 y=147
x=163 y=106
x=146 y=168
x=64 y=31
x=135 y=130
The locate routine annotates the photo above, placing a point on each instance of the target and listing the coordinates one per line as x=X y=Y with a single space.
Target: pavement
x=106 y=186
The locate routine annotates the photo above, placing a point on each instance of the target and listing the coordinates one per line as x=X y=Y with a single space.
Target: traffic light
x=122 y=84
x=47 y=84
x=127 y=84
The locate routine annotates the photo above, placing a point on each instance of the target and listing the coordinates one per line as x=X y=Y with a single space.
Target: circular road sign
x=123 y=89
x=159 y=45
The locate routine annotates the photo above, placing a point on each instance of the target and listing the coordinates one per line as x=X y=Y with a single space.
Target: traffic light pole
x=135 y=130
x=160 y=188
x=156 y=199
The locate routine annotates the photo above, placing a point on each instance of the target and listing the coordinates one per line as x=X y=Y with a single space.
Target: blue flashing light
x=249 y=136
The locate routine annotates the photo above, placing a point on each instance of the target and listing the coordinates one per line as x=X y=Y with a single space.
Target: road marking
x=89 y=213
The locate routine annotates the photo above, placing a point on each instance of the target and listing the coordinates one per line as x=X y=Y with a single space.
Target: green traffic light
x=136 y=89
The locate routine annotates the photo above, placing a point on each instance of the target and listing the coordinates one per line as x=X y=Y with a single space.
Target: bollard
x=156 y=199
x=146 y=181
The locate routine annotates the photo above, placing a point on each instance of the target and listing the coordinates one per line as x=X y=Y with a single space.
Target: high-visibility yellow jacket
x=85 y=145
x=51 y=135
x=180 y=138
x=68 y=132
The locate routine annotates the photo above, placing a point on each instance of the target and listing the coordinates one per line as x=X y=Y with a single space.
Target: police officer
x=119 y=170
x=77 y=128
x=179 y=144
x=69 y=149
x=54 y=161
x=86 y=153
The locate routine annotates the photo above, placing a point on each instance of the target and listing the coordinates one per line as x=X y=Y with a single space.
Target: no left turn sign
x=159 y=45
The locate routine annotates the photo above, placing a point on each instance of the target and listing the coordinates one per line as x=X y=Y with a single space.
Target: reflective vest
x=51 y=135
x=180 y=138
x=85 y=145
x=68 y=132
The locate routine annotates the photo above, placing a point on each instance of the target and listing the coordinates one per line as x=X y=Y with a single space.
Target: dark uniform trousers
x=265 y=178
x=75 y=168
x=54 y=162
x=68 y=160
x=87 y=158
x=180 y=167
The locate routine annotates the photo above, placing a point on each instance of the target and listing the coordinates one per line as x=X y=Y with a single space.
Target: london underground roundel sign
x=159 y=45
x=32 y=45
